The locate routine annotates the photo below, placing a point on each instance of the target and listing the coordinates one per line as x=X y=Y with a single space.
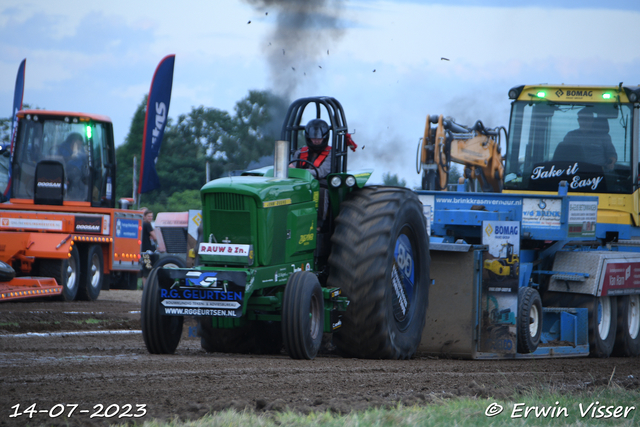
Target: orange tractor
x=60 y=232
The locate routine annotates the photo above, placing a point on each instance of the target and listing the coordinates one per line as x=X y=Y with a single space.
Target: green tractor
x=284 y=259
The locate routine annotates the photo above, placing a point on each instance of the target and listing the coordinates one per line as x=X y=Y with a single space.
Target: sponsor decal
x=41 y=224
x=45 y=184
x=127 y=228
x=466 y=200
x=274 y=203
x=205 y=280
x=582 y=220
x=541 y=213
x=305 y=239
x=575 y=181
x=88 y=224
x=620 y=277
x=201 y=293
x=579 y=93
x=205 y=298
x=226 y=249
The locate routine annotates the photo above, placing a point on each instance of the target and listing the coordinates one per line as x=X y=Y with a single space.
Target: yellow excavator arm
x=477 y=148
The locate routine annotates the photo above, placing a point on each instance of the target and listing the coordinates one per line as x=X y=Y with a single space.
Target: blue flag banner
x=17 y=106
x=154 y=123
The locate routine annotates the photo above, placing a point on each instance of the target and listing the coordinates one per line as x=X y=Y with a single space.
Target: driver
x=590 y=143
x=317 y=150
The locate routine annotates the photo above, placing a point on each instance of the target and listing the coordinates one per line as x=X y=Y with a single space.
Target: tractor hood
x=267 y=191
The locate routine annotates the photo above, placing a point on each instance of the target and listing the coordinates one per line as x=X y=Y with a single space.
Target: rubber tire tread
x=527 y=298
x=360 y=263
x=57 y=269
x=86 y=292
x=161 y=334
x=625 y=346
x=300 y=289
x=251 y=338
x=170 y=259
x=7 y=273
x=598 y=347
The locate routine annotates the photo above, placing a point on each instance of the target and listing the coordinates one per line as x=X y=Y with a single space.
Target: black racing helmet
x=316 y=132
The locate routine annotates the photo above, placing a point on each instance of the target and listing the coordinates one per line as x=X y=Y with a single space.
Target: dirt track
x=52 y=367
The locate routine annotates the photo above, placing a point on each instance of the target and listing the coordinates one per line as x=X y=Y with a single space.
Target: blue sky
x=100 y=56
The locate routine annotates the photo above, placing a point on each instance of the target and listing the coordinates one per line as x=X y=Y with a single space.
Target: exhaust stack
x=281 y=160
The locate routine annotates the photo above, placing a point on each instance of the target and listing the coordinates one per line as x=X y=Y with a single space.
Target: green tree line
x=228 y=142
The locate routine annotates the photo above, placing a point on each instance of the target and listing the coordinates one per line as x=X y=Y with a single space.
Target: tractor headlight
x=350 y=181
x=336 y=181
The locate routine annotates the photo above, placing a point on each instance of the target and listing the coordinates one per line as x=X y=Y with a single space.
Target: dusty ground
x=43 y=363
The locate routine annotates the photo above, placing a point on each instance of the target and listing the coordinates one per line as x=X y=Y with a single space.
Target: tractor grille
x=175 y=240
x=230 y=217
x=227 y=201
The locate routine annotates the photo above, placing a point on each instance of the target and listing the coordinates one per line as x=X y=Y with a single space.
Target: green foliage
x=131 y=147
x=5 y=130
x=5 y=126
x=393 y=181
x=454 y=175
x=204 y=135
x=184 y=200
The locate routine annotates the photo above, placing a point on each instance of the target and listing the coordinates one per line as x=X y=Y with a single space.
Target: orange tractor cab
x=61 y=220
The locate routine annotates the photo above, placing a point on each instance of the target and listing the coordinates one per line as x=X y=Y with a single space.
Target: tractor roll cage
x=338 y=127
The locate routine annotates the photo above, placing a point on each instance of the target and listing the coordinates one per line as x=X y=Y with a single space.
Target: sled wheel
x=302 y=316
x=161 y=333
x=251 y=338
x=6 y=272
x=380 y=260
x=603 y=313
x=65 y=271
x=529 y=322
x=91 y=275
x=628 y=336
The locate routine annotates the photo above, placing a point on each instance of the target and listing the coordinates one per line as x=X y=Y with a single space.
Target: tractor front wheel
x=302 y=315
x=380 y=260
x=161 y=333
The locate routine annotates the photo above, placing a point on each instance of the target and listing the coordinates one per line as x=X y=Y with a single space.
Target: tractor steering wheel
x=309 y=163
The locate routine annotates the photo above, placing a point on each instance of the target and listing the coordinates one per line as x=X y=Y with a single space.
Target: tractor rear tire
x=628 y=337
x=161 y=333
x=252 y=338
x=529 y=321
x=380 y=260
x=603 y=315
x=65 y=271
x=91 y=274
x=7 y=273
x=302 y=315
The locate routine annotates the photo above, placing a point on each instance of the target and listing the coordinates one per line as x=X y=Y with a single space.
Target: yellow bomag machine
x=567 y=211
